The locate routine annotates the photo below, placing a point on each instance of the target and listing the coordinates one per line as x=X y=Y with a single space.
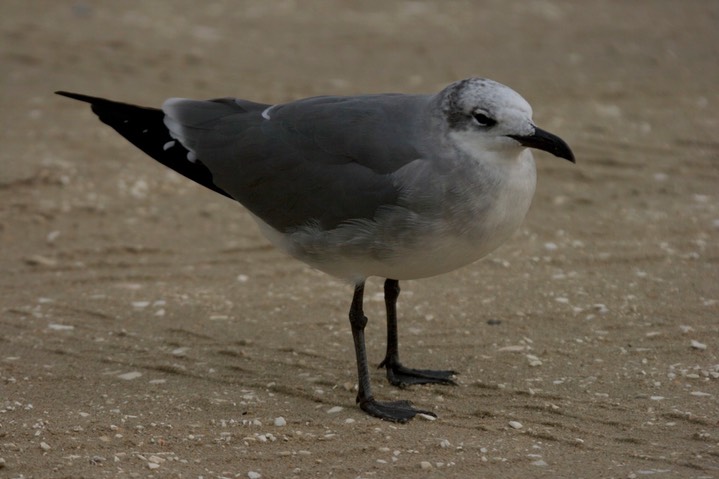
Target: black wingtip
x=77 y=96
x=144 y=128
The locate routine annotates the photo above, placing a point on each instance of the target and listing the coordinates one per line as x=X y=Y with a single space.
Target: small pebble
x=601 y=308
x=334 y=410
x=280 y=421
x=60 y=327
x=153 y=465
x=254 y=475
x=426 y=465
x=45 y=446
x=513 y=348
x=699 y=394
x=534 y=361
x=130 y=376
x=38 y=260
x=697 y=345
x=515 y=424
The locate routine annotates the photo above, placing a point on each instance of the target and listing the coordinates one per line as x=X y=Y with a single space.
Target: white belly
x=417 y=246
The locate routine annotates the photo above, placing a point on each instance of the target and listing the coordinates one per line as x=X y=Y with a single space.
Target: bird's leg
x=397 y=374
x=397 y=411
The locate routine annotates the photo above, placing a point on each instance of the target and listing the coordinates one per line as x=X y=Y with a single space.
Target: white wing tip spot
x=168 y=145
x=266 y=112
x=191 y=157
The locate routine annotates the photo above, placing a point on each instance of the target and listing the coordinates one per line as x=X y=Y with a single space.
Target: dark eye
x=484 y=120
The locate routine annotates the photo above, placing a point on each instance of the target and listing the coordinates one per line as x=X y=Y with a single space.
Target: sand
x=148 y=330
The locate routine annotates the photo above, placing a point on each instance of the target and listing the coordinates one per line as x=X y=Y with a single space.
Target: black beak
x=543 y=140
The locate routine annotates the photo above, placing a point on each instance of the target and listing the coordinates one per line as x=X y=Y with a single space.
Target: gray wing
x=322 y=161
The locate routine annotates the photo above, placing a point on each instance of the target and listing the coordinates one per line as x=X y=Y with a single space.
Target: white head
x=483 y=115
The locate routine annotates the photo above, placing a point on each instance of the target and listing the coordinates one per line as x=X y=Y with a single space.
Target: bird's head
x=483 y=115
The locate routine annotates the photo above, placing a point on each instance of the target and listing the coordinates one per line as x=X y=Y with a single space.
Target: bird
x=397 y=186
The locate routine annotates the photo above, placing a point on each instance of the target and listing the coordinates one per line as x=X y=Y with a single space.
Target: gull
x=390 y=185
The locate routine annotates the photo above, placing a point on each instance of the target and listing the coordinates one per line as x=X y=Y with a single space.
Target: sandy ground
x=148 y=330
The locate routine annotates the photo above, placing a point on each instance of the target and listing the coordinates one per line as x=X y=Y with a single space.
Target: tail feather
x=144 y=128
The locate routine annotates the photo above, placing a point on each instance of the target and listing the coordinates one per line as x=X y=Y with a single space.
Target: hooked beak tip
x=545 y=141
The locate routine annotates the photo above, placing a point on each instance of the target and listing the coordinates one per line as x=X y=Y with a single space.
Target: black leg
x=397 y=411
x=397 y=374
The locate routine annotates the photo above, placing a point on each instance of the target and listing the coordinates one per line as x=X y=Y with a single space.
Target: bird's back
x=322 y=160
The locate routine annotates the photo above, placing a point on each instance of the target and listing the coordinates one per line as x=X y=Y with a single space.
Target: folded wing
x=320 y=161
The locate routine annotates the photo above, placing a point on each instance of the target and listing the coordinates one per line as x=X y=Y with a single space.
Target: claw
x=394 y=411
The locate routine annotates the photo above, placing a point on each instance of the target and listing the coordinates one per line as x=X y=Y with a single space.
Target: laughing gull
x=390 y=185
